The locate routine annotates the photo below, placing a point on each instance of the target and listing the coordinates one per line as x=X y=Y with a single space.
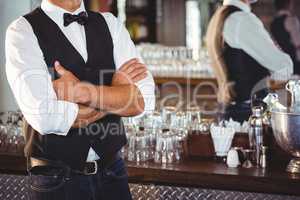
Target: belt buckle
x=95 y=171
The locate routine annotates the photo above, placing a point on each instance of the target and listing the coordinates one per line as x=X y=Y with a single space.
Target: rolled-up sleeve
x=31 y=83
x=124 y=50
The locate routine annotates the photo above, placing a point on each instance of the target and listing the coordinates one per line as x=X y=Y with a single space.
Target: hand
x=69 y=88
x=87 y=116
x=65 y=85
x=131 y=72
x=81 y=123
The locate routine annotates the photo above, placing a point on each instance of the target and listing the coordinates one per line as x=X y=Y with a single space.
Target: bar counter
x=206 y=174
x=215 y=175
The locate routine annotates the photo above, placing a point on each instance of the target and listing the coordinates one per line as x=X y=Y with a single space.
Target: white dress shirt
x=243 y=30
x=31 y=82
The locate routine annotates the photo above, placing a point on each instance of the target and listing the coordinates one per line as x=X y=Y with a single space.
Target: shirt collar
x=56 y=13
x=237 y=3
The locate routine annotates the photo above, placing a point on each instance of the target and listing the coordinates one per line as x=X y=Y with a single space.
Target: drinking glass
x=11 y=139
x=3 y=138
x=179 y=142
x=181 y=121
x=193 y=115
x=248 y=155
x=139 y=149
x=160 y=150
x=168 y=116
x=166 y=148
x=164 y=61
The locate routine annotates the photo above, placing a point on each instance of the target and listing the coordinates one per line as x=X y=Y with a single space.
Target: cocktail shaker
x=256 y=136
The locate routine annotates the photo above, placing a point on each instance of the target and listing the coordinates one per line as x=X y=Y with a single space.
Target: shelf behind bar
x=184 y=81
x=274 y=85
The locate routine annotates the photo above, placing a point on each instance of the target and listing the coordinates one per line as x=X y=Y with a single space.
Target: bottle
x=256 y=130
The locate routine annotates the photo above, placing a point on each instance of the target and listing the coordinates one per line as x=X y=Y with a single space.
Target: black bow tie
x=81 y=18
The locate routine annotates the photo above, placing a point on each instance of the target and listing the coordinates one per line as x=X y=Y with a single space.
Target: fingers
x=133 y=72
x=128 y=64
x=60 y=69
x=90 y=116
x=133 y=68
x=136 y=74
x=139 y=77
x=138 y=71
x=81 y=123
x=86 y=112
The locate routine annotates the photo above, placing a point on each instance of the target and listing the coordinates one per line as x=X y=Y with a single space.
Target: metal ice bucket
x=286 y=128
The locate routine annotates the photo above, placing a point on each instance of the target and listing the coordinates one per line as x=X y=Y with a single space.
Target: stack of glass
x=11 y=139
x=165 y=61
x=159 y=137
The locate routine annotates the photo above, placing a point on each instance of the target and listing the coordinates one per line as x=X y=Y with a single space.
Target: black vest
x=283 y=38
x=243 y=70
x=106 y=136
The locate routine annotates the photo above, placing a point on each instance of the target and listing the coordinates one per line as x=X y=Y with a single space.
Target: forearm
x=123 y=100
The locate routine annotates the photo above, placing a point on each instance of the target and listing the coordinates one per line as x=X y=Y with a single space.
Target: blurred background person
x=285 y=29
x=243 y=54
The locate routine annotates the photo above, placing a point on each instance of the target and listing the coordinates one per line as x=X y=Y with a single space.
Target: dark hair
x=281 y=4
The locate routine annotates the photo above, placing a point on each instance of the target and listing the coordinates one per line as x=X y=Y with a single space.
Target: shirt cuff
x=282 y=75
x=147 y=92
x=67 y=118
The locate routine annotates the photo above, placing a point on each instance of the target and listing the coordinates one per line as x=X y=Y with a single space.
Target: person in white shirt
x=74 y=111
x=285 y=29
x=243 y=55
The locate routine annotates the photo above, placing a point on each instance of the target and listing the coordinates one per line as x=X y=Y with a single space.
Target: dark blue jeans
x=109 y=184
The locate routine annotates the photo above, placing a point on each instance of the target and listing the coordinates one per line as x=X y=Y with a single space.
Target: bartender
x=243 y=56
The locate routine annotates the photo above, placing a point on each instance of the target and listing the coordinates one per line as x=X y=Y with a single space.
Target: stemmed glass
x=248 y=155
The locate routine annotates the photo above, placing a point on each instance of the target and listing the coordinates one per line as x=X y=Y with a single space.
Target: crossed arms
x=122 y=97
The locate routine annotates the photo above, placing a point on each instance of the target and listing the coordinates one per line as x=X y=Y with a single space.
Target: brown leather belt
x=90 y=168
